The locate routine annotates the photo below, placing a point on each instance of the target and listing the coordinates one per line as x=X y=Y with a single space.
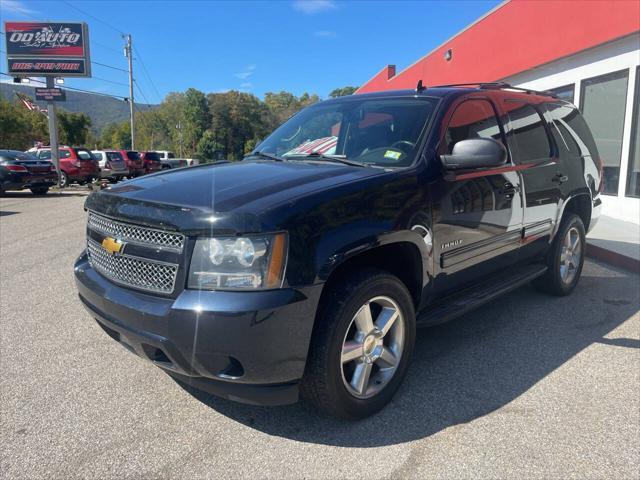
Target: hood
x=231 y=195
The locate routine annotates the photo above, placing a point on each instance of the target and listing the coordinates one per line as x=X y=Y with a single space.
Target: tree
x=341 y=92
x=21 y=128
x=196 y=118
x=208 y=149
x=73 y=128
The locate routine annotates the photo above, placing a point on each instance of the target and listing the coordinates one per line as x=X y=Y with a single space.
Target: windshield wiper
x=330 y=158
x=269 y=156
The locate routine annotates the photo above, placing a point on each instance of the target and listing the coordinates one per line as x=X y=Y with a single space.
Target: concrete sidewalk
x=616 y=242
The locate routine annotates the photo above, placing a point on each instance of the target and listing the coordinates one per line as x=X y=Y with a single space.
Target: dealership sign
x=59 y=49
x=51 y=94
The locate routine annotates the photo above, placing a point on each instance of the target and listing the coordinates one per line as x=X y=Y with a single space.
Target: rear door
x=541 y=166
x=477 y=215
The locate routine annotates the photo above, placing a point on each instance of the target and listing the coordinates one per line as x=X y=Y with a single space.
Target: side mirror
x=475 y=153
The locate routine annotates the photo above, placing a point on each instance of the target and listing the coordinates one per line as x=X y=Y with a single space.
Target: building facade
x=586 y=51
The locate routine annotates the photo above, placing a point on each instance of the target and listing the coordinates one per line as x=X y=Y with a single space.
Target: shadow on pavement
x=51 y=194
x=470 y=367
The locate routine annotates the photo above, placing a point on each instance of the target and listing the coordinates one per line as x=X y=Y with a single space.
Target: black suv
x=306 y=268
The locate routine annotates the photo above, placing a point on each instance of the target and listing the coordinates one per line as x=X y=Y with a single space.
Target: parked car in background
x=151 y=161
x=169 y=160
x=134 y=163
x=306 y=268
x=76 y=164
x=112 y=164
x=20 y=171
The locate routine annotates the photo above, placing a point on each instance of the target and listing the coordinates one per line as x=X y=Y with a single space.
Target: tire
x=565 y=258
x=64 y=179
x=40 y=190
x=330 y=384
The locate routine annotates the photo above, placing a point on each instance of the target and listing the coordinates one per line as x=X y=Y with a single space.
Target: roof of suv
x=442 y=91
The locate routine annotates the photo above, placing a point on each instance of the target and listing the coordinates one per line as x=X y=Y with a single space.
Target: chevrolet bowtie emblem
x=112 y=246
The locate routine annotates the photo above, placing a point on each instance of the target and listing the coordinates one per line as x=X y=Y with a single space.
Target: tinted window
x=84 y=154
x=98 y=155
x=171 y=155
x=528 y=137
x=604 y=102
x=115 y=156
x=574 y=130
x=131 y=155
x=564 y=93
x=471 y=119
x=153 y=156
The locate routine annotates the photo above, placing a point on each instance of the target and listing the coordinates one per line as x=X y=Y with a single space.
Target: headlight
x=238 y=263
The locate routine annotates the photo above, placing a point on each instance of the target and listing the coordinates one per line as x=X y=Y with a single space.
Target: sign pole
x=53 y=131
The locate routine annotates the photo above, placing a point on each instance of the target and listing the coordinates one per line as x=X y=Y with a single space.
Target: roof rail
x=499 y=86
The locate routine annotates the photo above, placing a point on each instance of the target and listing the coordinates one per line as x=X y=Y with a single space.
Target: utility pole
x=129 y=55
x=53 y=132
x=179 y=127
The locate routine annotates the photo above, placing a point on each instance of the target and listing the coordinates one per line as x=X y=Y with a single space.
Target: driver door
x=477 y=214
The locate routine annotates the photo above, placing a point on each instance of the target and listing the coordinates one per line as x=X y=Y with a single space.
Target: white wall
x=610 y=57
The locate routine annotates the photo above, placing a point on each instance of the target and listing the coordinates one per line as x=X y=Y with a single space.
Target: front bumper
x=244 y=346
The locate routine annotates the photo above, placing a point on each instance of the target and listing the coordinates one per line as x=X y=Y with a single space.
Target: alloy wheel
x=571 y=255
x=372 y=347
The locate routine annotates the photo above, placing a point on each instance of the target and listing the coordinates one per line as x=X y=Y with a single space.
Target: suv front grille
x=136 y=234
x=130 y=271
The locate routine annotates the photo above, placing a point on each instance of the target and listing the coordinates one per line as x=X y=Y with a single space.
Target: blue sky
x=254 y=46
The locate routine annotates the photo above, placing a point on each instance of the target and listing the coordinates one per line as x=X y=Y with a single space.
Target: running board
x=459 y=303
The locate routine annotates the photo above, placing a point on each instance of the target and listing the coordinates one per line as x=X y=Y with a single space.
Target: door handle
x=560 y=178
x=509 y=190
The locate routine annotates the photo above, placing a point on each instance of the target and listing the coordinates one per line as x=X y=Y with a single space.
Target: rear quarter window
x=573 y=128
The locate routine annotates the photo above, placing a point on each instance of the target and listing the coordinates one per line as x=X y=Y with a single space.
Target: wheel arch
x=403 y=256
x=579 y=203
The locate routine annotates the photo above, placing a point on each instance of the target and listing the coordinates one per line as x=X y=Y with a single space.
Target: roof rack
x=499 y=86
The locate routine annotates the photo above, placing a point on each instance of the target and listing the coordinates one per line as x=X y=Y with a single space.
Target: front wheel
x=565 y=258
x=361 y=345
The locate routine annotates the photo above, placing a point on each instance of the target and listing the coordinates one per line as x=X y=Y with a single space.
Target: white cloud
x=246 y=85
x=246 y=73
x=311 y=7
x=325 y=34
x=15 y=6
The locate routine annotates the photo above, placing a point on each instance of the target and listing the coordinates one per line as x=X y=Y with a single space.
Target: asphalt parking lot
x=529 y=386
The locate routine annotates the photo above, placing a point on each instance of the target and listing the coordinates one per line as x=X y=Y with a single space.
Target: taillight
x=16 y=168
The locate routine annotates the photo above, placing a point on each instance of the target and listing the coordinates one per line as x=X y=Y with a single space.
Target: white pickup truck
x=169 y=160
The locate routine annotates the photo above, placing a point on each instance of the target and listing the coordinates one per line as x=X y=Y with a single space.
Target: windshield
x=133 y=155
x=384 y=132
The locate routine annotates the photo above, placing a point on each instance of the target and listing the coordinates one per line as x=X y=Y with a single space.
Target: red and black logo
x=44 y=38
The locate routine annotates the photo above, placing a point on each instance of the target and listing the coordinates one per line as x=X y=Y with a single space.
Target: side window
x=45 y=154
x=528 y=137
x=573 y=129
x=471 y=119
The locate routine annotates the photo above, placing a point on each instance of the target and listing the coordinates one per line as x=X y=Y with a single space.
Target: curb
x=613 y=258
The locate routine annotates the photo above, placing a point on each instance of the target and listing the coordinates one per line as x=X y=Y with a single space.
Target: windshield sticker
x=392 y=154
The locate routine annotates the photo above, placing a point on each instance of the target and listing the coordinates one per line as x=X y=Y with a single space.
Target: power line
x=109 y=66
x=141 y=92
x=72 y=88
x=94 y=17
x=144 y=69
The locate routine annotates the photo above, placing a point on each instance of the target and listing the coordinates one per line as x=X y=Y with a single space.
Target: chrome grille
x=136 y=272
x=136 y=234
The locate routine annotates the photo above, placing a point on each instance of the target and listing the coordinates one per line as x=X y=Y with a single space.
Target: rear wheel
x=64 y=179
x=565 y=258
x=40 y=190
x=361 y=345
